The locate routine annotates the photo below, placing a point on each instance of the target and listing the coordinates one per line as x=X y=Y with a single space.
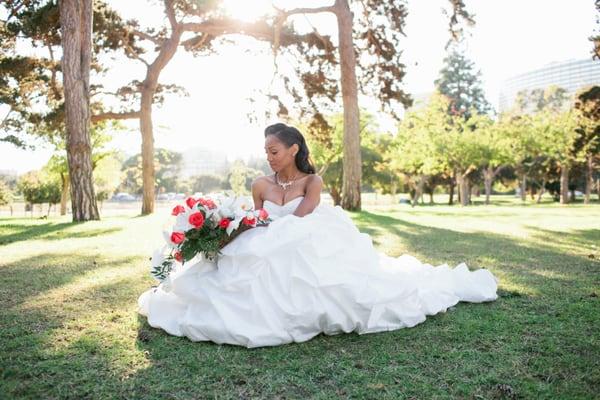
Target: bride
x=310 y=271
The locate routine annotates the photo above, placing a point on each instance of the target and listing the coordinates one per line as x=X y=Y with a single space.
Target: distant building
x=570 y=75
x=201 y=161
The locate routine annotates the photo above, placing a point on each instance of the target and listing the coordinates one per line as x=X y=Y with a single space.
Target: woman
x=310 y=271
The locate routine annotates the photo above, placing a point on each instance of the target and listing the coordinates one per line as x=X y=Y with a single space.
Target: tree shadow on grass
x=578 y=237
x=50 y=231
x=34 y=275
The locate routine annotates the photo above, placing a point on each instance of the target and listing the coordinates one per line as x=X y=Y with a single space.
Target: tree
x=552 y=98
x=461 y=151
x=528 y=127
x=557 y=134
x=107 y=177
x=38 y=188
x=167 y=164
x=415 y=150
x=207 y=183
x=462 y=85
x=327 y=153
x=76 y=29
x=6 y=196
x=31 y=87
x=240 y=177
x=57 y=164
x=587 y=105
x=376 y=33
x=495 y=152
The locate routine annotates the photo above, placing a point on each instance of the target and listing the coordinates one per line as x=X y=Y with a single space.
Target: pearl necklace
x=285 y=185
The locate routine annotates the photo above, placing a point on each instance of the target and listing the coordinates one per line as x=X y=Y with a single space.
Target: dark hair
x=289 y=135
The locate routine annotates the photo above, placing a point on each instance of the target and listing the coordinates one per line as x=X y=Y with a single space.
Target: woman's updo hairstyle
x=289 y=135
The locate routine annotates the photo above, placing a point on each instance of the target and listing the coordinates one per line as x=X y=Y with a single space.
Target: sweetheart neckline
x=284 y=204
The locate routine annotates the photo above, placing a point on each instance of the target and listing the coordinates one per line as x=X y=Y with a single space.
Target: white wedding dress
x=299 y=277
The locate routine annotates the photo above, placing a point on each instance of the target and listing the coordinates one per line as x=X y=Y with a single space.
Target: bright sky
x=510 y=37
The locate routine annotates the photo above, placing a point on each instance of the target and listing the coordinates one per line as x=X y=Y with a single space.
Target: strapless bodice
x=276 y=211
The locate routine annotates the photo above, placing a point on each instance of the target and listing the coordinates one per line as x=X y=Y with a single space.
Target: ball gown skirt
x=299 y=277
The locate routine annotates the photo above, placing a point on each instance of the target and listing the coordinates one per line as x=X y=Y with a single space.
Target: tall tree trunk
x=76 y=29
x=148 y=173
x=64 y=194
x=488 y=178
x=463 y=188
x=167 y=51
x=418 y=190
x=564 y=184
x=542 y=190
x=451 y=190
x=523 y=186
x=352 y=158
x=589 y=179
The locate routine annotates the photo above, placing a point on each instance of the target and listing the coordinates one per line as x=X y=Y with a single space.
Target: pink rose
x=224 y=223
x=177 y=237
x=191 y=202
x=196 y=219
x=208 y=203
x=178 y=256
x=178 y=209
x=249 y=221
x=263 y=214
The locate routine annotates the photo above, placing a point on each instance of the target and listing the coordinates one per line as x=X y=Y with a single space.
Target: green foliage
x=6 y=195
x=552 y=98
x=167 y=167
x=107 y=176
x=240 y=177
x=31 y=81
x=38 y=188
x=587 y=109
x=462 y=85
x=208 y=183
x=327 y=151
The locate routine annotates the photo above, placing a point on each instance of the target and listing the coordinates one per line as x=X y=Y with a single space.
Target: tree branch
x=259 y=30
x=6 y=118
x=53 y=82
x=305 y=10
x=131 y=53
x=116 y=115
x=170 y=11
x=144 y=35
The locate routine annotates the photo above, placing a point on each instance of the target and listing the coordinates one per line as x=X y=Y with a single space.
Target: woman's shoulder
x=262 y=180
x=314 y=179
x=314 y=183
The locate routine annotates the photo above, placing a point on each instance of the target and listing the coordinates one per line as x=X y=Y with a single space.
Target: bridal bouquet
x=203 y=226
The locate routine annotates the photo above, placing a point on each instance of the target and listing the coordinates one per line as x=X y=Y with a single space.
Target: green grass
x=69 y=327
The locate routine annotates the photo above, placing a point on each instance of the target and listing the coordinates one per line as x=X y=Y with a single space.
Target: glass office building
x=570 y=75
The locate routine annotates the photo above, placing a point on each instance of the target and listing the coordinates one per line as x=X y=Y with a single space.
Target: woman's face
x=279 y=156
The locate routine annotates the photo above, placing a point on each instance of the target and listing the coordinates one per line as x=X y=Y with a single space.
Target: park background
x=479 y=142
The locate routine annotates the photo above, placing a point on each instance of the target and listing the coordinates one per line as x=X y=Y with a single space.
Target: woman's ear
x=295 y=148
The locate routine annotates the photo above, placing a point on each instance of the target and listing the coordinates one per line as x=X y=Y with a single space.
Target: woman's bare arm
x=257 y=190
x=312 y=198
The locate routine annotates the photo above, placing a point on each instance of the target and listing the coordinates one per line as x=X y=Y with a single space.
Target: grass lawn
x=69 y=327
